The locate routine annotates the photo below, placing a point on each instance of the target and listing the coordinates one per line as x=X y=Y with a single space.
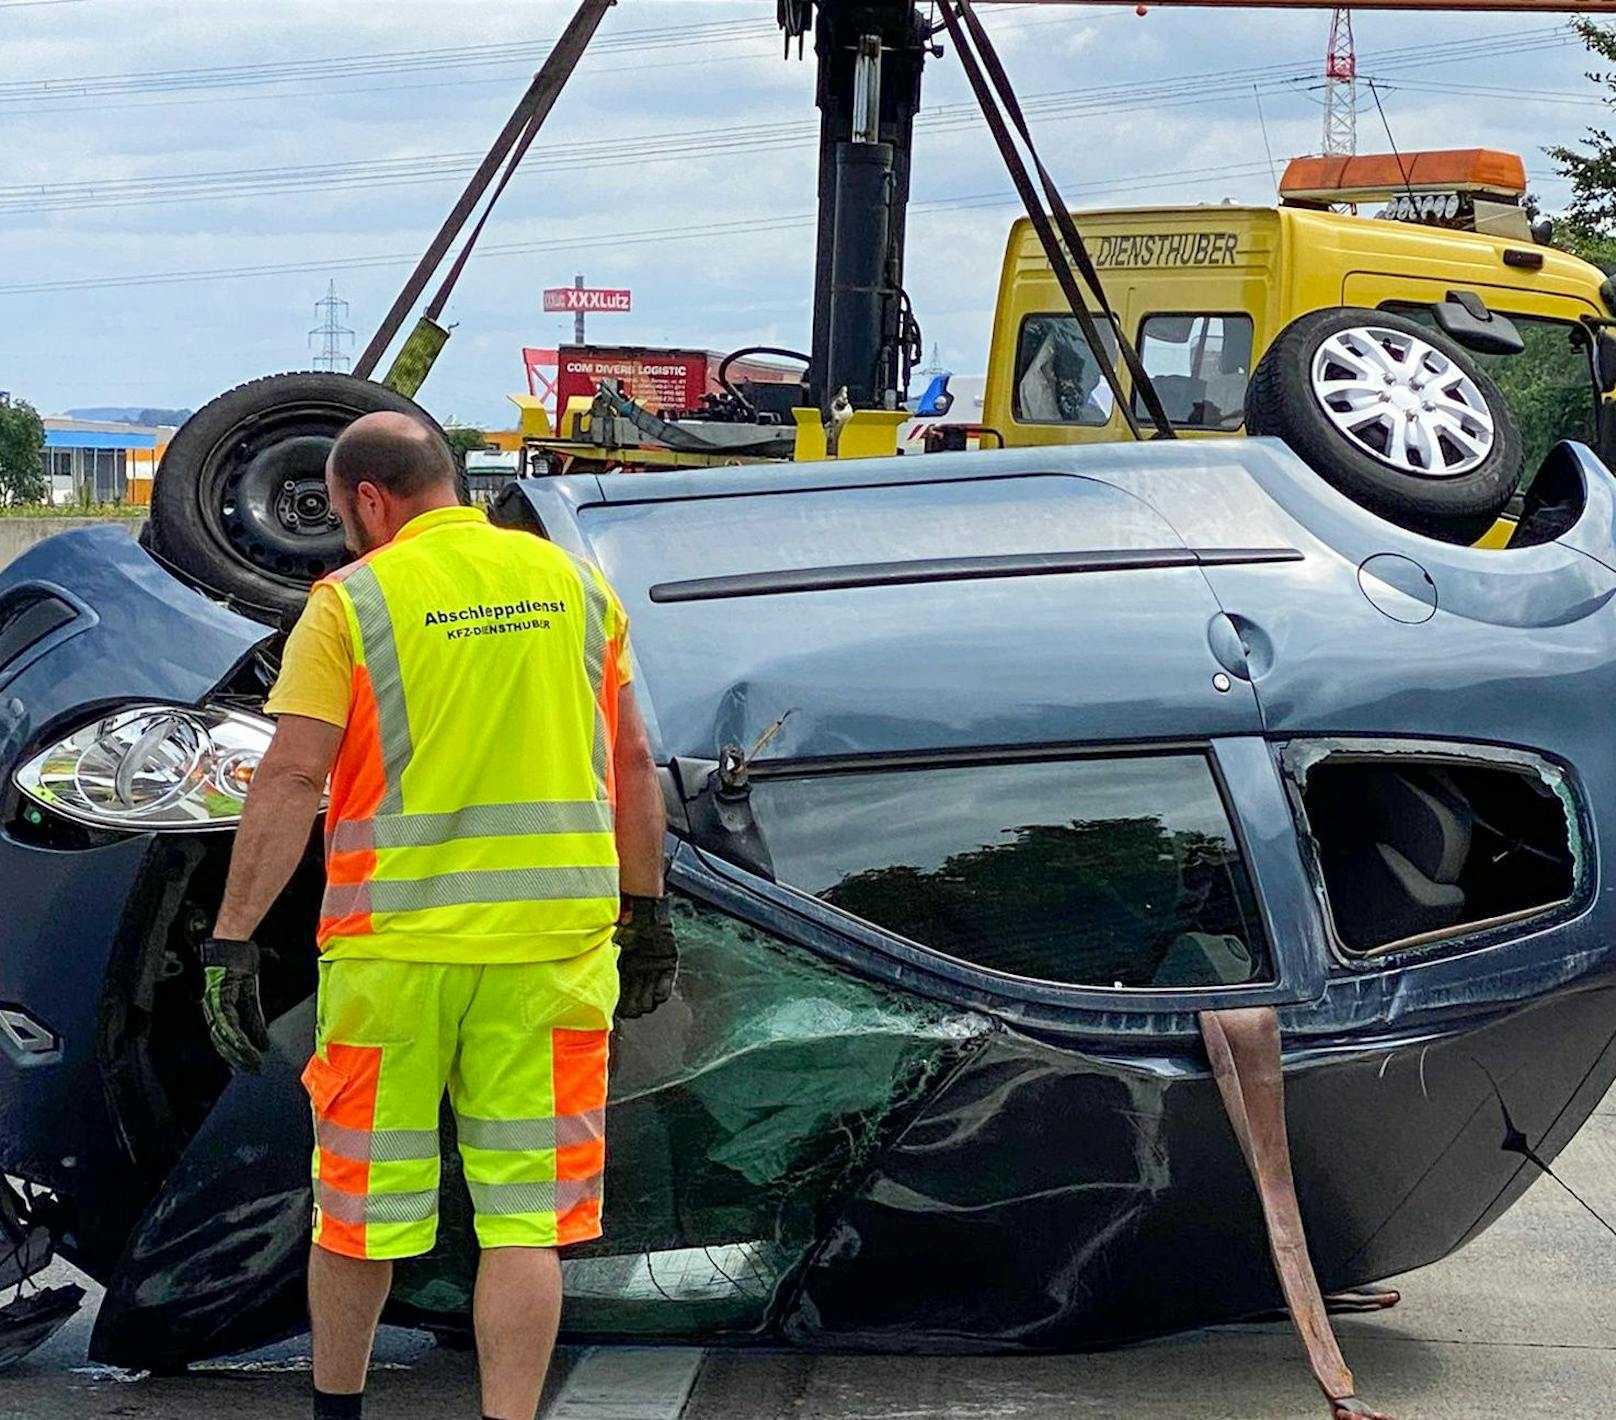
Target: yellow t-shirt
x=316 y=676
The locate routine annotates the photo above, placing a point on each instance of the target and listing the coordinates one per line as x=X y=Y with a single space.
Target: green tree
x=465 y=439
x=22 y=463
x=1591 y=165
x=1547 y=386
x=1596 y=248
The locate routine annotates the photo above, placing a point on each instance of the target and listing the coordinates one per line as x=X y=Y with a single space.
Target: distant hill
x=127 y=414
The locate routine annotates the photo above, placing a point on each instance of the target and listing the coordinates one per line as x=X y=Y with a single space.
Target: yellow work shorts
x=521 y=1049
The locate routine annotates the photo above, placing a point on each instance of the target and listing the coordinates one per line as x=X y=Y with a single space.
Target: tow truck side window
x=1107 y=872
x=1548 y=385
x=1058 y=380
x=1200 y=365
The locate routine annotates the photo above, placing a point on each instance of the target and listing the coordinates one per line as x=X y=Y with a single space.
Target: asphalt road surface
x=1521 y=1324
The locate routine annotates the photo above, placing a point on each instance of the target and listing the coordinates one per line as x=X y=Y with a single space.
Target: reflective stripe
x=415 y=1207
x=401 y=1207
x=475 y=821
x=345 y=899
x=382 y=1146
x=526 y=1135
x=386 y=681
x=506 y=1200
x=344 y=572
x=469 y=889
x=595 y=608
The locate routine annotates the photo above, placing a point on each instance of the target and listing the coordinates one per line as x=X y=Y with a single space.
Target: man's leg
x=529 y=1095
x=375 y=1081
x=346 y=1295
x=516 y=1312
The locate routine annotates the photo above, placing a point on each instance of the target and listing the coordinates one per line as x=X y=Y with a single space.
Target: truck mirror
x=1463 y=317
x=1605 y=353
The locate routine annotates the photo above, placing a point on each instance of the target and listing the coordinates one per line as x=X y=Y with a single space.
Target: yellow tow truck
x=1205 y=291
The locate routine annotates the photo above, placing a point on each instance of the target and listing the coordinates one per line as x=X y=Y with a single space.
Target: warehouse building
x=95 y=461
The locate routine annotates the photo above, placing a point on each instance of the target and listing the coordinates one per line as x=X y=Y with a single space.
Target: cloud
x=686 y=119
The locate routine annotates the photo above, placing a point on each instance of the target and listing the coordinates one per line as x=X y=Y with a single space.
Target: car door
x=820 y=622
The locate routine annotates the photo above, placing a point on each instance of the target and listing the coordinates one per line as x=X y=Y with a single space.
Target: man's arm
x=642 y=822
x=649 y=954
x=275 y=822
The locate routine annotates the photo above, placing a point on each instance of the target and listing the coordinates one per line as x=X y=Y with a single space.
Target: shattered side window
x=1413 y=848
x=1113 y=872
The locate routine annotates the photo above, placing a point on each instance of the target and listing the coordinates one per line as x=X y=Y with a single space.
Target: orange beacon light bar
x=1367 y=176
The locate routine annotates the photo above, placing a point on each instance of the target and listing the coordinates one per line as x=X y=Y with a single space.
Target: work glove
x=649 y=956
x=230 y=1002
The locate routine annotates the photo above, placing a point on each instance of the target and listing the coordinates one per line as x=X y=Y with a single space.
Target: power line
x=737 y=227
x=599 y=242
x=1268 y=147
x=1488 y=91
x=502 y=77
x=50 y=90
x=369 y=174
x=350 y=66
x=434 y=61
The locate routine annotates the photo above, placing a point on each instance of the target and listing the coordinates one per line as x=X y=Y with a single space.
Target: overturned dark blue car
x=991 y=779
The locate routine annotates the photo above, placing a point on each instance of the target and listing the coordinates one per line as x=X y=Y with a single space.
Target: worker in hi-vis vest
x=495 y=820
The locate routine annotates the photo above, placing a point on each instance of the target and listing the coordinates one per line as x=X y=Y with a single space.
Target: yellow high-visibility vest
x=471 y=815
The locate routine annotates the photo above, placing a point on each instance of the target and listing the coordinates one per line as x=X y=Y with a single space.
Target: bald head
x=395 y=452
x=383 y=471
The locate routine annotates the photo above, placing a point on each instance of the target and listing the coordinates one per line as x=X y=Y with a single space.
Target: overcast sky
x=150 y=140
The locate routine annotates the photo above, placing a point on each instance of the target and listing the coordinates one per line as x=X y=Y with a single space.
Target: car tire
x=238 y=503
x=1345 y=389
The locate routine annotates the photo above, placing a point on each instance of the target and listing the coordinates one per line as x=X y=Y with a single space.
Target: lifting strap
x=1075 y=249
x=514 y=138
x=1244 y=1049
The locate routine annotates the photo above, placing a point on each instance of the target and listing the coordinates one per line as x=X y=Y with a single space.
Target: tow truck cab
x=1203 y=291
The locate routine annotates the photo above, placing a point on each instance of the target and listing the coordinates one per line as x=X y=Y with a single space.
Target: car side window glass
x=1104 y=872
x=1058 y=378
x=1200 y=365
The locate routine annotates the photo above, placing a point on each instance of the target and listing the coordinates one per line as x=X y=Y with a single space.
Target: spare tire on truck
x=1395 y=415
x=239 y=504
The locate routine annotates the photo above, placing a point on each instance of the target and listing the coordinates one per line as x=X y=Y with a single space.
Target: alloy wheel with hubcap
x=1403 y=401
x=1392 y=413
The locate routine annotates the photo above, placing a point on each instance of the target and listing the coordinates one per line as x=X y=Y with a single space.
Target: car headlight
x=152 y=767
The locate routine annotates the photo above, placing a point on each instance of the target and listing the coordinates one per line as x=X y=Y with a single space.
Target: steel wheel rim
x=260 y=489
x=1401 y=400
